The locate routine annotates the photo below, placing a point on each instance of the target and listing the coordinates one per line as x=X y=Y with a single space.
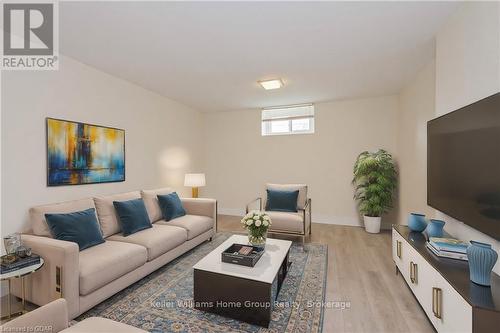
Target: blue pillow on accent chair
x=78 y=227
x=171 y=206
x=132 y=215
x=282 y=201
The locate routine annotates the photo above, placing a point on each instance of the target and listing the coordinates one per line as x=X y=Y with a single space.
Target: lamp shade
x=194 y=180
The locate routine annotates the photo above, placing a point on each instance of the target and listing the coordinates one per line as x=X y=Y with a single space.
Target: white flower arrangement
x=257 y=219
x=257 y=223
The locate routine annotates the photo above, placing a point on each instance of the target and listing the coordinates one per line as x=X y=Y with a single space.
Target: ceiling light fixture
x=271 y=84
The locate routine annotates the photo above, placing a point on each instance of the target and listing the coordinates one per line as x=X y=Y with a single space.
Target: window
x=295 y=119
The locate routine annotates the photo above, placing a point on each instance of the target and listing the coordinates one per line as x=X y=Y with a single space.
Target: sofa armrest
x=58 y=277
x=201 y=206
x=52 y=317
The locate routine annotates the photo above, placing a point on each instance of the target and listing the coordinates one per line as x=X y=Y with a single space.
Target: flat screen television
x=463 y=165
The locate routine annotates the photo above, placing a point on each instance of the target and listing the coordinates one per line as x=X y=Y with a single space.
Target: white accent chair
x=289 y=223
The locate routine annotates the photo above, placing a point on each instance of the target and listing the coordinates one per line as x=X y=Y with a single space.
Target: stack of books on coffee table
x=448 y=248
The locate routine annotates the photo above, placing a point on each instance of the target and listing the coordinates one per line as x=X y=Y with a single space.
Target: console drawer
x=447 y=310
x=420 y=279
x=397 y=248
x=451 y=313
x=400 y=253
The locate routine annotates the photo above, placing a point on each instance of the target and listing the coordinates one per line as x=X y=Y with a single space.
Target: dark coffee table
x=244 y=293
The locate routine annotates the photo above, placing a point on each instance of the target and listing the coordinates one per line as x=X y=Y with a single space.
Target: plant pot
x=372 y=224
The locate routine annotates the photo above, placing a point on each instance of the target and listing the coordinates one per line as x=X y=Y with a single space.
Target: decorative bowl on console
x=417 y=222
x=435 y=228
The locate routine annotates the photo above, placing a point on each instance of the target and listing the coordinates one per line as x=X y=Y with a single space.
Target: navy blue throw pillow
x=132 y=215
x=78 y=227
x=282 y=201
x=171 y=206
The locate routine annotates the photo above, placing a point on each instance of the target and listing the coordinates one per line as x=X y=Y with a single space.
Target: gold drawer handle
x=413 y=272
x=437 y=300
x=398 y=249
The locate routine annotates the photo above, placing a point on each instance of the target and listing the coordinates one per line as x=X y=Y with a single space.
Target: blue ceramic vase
x=416 y=222
x=481 y=258
x=435 y=228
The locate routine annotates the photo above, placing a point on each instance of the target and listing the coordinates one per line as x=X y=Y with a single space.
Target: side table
x=20 y=273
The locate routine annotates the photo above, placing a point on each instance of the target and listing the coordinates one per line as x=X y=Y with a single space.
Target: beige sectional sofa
x=53 y=317
x=86 y=278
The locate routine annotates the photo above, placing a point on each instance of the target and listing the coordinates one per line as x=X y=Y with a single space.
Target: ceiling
x=209 y=55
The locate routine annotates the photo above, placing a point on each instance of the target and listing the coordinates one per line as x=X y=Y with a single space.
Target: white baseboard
x=338 y=220
x=316 y=218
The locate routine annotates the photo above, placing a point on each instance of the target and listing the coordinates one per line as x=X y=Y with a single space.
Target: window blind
x=288 y=112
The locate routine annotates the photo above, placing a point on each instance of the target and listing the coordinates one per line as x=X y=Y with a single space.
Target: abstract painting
x=79 y=153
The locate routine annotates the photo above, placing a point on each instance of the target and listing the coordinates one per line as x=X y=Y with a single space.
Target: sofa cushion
x=151 y=202
x=101 y=325
x=194 y=224
x=302 y=188
x=171 y=206
x=132 y=216
x=37 y=214
x=107 y=213
x=78 y=227
x=157 y=240
x=286 y=221
x=103 y=263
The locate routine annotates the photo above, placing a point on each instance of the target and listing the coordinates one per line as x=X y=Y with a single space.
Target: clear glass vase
x=12 y=242
x=257 y=239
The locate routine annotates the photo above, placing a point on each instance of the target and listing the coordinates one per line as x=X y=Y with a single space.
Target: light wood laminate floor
x=362 y=273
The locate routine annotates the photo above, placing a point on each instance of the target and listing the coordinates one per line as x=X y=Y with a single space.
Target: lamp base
x=194 y=192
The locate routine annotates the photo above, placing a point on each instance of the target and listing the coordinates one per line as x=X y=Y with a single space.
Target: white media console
x=442 y=287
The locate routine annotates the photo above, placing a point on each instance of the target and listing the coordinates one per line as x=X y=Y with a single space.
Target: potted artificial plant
x=375 y=178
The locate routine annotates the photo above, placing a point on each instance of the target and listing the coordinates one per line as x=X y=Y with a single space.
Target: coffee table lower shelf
x=243 y=299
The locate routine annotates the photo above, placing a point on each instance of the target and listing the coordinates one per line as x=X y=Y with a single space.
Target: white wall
x=416 y=107
x=467 y=70
x=239 y=161
x=162 y=136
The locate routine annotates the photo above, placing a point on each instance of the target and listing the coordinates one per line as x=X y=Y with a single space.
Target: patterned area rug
x=161 y=302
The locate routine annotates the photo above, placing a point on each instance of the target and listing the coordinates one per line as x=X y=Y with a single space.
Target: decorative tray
x=236 y=254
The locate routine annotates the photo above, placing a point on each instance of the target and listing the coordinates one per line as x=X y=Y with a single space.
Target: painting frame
x=47 y=153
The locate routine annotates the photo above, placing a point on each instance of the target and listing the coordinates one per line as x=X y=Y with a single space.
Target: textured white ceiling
x=209 y=55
